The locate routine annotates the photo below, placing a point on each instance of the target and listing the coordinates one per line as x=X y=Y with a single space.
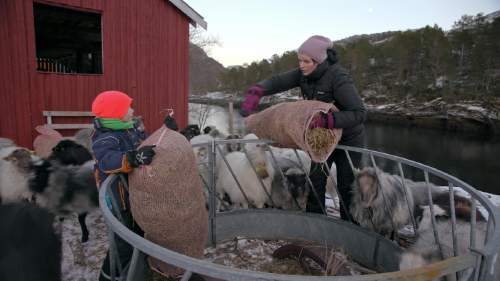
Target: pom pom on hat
x=111 y=104
x=315 y=47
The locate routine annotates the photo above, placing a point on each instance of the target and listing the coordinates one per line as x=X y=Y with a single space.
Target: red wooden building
x=58 y=55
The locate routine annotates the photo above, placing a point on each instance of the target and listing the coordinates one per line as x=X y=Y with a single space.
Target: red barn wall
x=145 y=54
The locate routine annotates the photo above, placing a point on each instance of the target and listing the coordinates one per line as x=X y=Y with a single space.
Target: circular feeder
x=365 y=247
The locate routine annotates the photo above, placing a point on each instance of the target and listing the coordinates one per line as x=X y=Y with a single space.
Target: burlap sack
x=287 y=125
x=167 y=198
x=47 y=139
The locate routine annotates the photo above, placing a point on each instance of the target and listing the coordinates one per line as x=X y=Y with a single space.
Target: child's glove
x=171 y=123
x=143 y=156
x=322 y=120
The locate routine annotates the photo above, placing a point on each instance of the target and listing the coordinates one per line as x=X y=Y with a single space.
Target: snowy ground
x=82 y=261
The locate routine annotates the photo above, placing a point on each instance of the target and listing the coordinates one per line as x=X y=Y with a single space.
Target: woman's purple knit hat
x=315 y=47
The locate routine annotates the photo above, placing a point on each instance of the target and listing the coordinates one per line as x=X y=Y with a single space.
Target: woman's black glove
x=142 y=156
x=171 y=123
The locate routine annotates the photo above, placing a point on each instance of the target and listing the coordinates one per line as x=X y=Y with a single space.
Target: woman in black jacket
x=320 y=77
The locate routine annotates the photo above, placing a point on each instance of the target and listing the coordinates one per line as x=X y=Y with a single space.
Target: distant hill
x=427 y=62
x=204 y=71
x=492 y=16
x=373 y=38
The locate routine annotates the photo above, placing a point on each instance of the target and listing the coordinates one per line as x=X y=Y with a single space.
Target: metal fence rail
x=366 y=247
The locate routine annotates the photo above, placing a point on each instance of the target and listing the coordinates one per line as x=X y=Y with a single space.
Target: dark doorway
x=67 y=41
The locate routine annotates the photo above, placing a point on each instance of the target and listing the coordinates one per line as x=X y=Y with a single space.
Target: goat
x=25 y=177
x=207 y=129
x=214 y=132
x=68 y=152
x=191 y=131
x=230 y=147
x=425 y=250
x=31 y=249
x=64 y=189
x=380 y=206
x=291 y=194
x=304 y=161
x=201 y=152
x=248 y=179
x=15 y=174
x=386 y=206
x=266 y=160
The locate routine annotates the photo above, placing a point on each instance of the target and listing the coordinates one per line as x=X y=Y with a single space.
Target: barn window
x=67 y=41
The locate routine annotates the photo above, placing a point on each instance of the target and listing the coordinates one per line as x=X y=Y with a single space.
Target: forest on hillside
x=462 y=63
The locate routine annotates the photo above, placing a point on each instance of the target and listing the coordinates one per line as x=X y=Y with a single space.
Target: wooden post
x=231 y=115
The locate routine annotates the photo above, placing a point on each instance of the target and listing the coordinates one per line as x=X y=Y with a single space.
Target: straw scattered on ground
x=257 y=255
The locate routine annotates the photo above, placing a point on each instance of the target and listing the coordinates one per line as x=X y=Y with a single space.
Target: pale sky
x=252 y=30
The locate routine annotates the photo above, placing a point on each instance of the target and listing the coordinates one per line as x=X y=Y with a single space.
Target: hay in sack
x=287 y=124
x=167 y=198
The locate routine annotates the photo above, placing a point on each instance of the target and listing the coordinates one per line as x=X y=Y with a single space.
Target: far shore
x=431 y=116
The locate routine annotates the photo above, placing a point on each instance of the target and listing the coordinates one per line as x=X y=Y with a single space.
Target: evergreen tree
x=405 y=63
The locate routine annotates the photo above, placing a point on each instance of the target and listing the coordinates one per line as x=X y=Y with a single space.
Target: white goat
x=248 y=179
x=15 y=174
x=426 y=250
x=201 y=152
x=258 y=194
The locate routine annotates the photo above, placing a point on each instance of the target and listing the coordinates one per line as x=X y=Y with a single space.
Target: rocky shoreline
x=464 y=117
x=471 y=117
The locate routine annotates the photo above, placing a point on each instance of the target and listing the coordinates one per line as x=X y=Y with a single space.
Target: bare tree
x=204 y=111
x=201 y=39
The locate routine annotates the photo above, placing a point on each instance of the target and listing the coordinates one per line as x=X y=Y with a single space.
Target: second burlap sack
x=167 y=199
x=47 y=139
x=287 y=125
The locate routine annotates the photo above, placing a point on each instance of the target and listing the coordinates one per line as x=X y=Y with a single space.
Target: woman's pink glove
x=252 y=99
x=322 y=120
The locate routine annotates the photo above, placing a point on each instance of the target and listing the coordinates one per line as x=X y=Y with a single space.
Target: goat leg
x=83 y=226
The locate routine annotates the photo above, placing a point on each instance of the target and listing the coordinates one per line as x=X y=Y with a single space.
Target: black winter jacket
x=329 y=82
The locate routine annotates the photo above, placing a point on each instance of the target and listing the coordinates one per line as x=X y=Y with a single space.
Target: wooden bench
x=52 y=125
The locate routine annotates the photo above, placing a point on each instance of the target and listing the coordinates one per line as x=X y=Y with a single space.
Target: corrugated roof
x=196 y=19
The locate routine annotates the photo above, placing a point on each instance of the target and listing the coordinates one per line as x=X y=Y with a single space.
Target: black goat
x=68 y=152
x=65 y=189
x=191 y=131
x=30 y=248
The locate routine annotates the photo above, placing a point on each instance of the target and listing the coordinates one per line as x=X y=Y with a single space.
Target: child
x=114 y=144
